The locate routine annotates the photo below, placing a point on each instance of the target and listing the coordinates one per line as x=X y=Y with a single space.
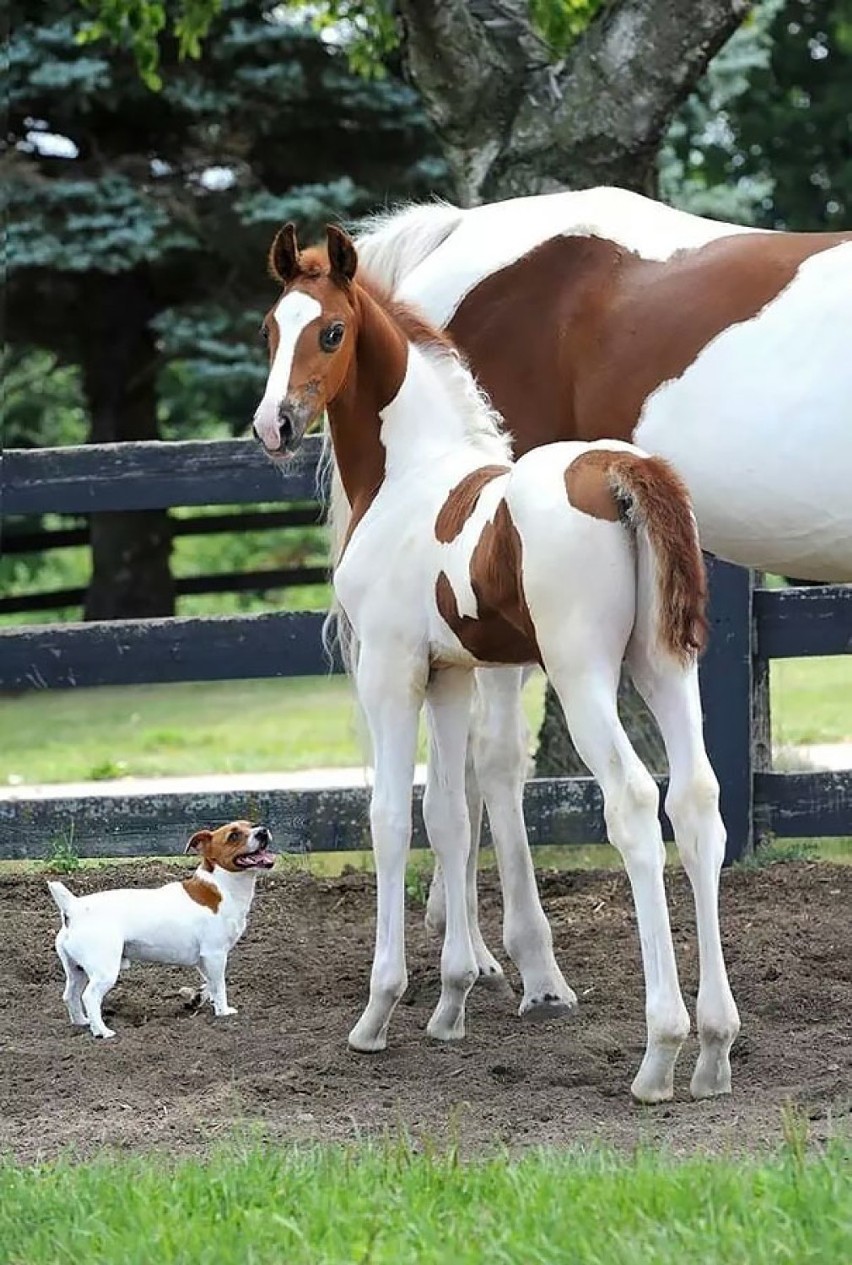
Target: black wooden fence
x=750 y=626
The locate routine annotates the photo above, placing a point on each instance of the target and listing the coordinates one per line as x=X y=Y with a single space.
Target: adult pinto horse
x=578 y=556
x=605 y=314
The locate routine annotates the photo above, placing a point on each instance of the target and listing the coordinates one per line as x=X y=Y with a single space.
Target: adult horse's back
x=605 y=314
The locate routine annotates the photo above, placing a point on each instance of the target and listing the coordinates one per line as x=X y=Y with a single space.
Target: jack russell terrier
x=191 y=923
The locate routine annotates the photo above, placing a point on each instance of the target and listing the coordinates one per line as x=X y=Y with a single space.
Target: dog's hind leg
x=102 y=970
x=75 y=978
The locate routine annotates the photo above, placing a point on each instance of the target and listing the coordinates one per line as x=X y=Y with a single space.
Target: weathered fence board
x=799 y=622
x=185 y=586
x=806 y=805
x=114 y=825
x=146 y=476
x=557 y=811
x=124 y=652
x=14 y=541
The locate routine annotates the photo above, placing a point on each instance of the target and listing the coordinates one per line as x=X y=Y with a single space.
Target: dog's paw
x=226 y=1010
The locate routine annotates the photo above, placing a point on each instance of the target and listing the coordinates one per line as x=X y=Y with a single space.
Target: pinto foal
x=578 y=556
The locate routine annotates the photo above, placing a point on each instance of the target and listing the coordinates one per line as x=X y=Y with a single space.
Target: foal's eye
x=332 y=336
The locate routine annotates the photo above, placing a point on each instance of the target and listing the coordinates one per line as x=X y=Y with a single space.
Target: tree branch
x=512 y=123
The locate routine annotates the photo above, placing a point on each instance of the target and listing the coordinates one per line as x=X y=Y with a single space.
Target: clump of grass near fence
x=392 y=1204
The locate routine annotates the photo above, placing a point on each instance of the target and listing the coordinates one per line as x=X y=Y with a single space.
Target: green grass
x=258 y=726
x=392 y=1206
x=811 y=700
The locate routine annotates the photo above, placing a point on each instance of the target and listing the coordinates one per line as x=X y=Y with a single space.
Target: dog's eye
x=332 y=336
x=234 y=836
x=264 y=332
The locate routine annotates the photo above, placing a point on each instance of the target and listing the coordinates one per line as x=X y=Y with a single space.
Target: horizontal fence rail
x=558 y=812
x=14 y=541
x=153 y=476
x=185 y=586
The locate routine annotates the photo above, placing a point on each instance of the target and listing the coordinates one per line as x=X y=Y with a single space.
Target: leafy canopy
x=367 y=28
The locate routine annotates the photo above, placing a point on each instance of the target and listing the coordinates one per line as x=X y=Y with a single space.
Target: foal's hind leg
x=692 y=804
x=587 y=690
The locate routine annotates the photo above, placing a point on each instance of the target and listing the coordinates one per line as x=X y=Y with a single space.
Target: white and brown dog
x=191 y=923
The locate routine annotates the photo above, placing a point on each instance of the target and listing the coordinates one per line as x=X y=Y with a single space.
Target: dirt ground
x=177 y=1080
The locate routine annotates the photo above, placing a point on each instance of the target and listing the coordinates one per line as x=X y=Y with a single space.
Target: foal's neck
x=375 y=376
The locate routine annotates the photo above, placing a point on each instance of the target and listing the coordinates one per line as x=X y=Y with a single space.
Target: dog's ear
x=198 y=840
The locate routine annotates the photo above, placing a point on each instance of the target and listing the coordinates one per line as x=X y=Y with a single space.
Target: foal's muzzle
x=282 y=436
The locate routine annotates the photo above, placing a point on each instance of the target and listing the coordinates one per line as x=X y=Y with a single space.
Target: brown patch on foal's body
x=646 y=494
x=596 y=329
x=502 y=631
x=202 y=892
x=462 y=501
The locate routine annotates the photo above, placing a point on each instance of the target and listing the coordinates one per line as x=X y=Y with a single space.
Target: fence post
x=728 y=700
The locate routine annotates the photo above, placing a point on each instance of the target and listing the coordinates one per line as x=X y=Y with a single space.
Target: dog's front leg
x=213 y=970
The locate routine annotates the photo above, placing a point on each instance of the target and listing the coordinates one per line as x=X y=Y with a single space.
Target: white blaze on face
x=292 y=314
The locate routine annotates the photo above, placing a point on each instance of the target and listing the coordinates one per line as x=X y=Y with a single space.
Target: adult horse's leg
x=692 y=804
x=500 y=756
x=391 y=705
x=587 y=687
x=445 y=813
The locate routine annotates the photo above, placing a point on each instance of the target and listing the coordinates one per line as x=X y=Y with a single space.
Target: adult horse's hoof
x=540 y=1007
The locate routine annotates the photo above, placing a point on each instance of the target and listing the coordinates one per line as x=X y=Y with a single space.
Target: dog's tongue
x=264 y=858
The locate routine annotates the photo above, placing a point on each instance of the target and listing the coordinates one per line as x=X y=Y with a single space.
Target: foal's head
x=311 y=332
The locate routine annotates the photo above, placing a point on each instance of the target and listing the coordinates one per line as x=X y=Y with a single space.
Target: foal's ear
x=341 y=254
x=198 y=840
x=284 y=255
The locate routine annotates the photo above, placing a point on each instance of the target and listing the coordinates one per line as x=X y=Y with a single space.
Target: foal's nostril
x=285 y=427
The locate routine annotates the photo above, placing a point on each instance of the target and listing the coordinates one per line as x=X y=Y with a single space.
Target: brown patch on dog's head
x=237 y=846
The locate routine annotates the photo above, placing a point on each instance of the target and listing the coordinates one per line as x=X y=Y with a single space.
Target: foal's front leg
x=445 y=813
x=391 y=704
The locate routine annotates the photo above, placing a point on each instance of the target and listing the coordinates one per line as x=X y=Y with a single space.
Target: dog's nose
x=263 y=834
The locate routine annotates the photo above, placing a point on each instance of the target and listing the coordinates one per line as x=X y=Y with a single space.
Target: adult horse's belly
x=760 y=427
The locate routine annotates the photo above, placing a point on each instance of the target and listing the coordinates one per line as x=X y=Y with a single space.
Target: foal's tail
x=672 y=583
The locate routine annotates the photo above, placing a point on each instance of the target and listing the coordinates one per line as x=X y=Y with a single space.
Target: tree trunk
x=513 y=122
x=131 y=577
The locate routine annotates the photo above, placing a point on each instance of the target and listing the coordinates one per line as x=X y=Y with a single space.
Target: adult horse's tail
x=672 y=583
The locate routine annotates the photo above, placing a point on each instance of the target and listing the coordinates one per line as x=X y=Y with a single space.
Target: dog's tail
x=65 y=900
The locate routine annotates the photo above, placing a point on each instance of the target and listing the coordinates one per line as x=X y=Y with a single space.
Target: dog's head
x=237 y=847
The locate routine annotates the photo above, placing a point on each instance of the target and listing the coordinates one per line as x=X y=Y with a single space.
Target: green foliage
x=394 y=1202
x=365 y=29
x=560 y=22
x=63 y=857
x=765 y=138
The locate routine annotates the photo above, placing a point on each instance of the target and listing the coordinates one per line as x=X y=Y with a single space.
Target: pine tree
x=138 y=223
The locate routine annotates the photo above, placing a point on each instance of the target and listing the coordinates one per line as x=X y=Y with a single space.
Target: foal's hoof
x=541 y=1006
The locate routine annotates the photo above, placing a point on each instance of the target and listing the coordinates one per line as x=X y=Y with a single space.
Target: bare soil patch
x=176 y=1080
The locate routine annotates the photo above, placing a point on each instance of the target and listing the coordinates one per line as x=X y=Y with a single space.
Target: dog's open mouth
x=262 y=860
